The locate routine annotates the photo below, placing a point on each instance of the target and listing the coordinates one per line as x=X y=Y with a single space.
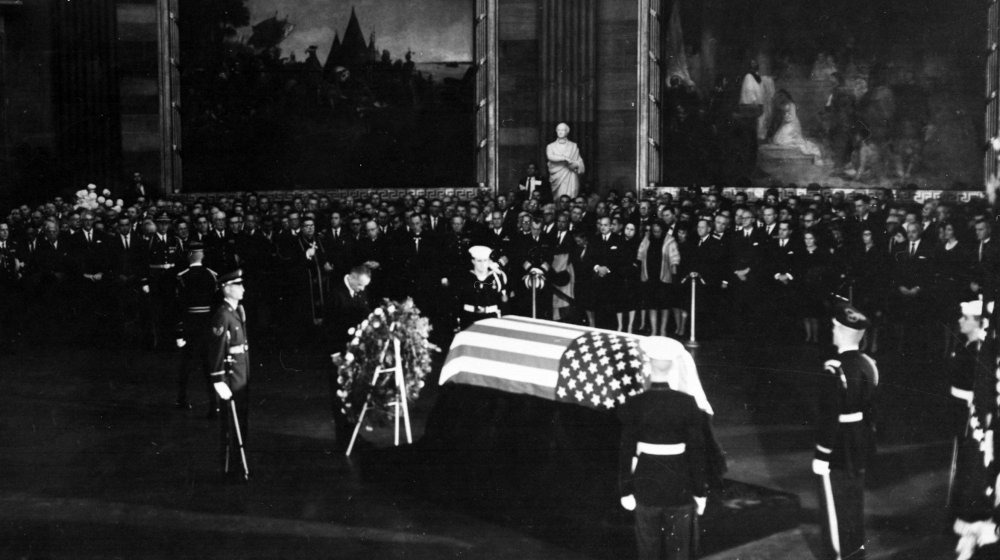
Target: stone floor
x=95 y=463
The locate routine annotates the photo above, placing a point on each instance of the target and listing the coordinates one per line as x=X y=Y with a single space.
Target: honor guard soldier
x=227 y=353
x=662 y=459
x=482 y=290
x=968 y=475
x=196 y=289
x=845 y=438
x=163 y=255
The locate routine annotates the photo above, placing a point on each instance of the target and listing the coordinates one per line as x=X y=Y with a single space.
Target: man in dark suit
x=348 y=305
x=532 y=258
x=746 y=267
x=90 y=256
x=610 y=259
x=533 y=182
x=707 y=267
x=986 y=261
x=499 y=238
x=662 y=459
x=911 y=282
x=783 y=275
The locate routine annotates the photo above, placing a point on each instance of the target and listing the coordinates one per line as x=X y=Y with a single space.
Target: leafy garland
x=371 y=348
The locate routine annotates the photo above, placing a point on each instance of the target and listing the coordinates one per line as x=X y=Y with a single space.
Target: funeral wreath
x=371 y=349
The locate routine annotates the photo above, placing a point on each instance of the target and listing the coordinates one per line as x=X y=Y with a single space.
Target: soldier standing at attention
x=196 y=288
x=227 y=353
x=662 y=459
x=482 y=290
x=845 y=437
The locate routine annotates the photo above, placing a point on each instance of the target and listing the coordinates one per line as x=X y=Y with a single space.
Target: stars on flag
x=600 y=370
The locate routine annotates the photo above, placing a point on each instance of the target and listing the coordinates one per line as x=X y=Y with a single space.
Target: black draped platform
x=550 y=469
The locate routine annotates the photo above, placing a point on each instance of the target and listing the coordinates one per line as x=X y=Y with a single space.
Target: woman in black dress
x=686 y=246
x=868 y=273
x=953 y=265
x=629 y=300
x=650 y=257
x=814 y=268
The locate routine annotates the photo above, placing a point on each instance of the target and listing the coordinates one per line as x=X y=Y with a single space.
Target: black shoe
x=182 y=405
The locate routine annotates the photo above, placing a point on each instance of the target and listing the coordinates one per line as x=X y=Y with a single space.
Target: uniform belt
x=963 y=394
x=238 y=349
x=202 y=309
x=481 y=308
x=660 y=448
x=167 y=266
x=851 y=418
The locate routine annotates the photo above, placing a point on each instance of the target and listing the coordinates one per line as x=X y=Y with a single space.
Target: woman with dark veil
x=869 y=278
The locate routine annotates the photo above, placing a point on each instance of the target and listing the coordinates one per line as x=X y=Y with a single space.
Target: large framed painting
x=326 y=94
x=853 y=93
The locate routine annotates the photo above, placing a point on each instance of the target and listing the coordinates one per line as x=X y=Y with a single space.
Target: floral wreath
x=370 y=348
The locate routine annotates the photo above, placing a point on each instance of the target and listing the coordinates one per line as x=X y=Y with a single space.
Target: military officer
x=196 y=289
x=163 y=255
x=662 y=458
x=845 y=436
x=483 y=290
x=226 y=351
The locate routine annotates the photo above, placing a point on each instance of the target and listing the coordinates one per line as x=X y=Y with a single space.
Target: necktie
x=416 y=241
x=981 y=245
x=913 y=248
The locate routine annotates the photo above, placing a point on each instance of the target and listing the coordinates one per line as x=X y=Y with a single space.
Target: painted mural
x=854 y=93
x=320 y=94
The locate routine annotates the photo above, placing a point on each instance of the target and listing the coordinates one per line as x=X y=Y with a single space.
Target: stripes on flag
x=525 y=356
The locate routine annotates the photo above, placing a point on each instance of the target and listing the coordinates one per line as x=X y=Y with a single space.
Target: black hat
x=195 y=246
x=234 y=277
x=163 y=218
x=850 y=317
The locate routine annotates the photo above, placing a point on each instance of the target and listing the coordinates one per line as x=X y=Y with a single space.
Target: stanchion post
x=692 y=341
x=534 y=296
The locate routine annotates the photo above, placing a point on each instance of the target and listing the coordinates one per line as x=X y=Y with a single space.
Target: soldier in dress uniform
x=483 y=290
x=965 y=497
x=196 y=289
x=662 y=461
x=10 y=284
x=845 y=438
x=163 y=255
x=227 y=354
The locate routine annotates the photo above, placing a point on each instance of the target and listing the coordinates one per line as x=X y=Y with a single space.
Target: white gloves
x=628 y=502
x=973 y=536
x=821 y=467
x=181 y=343
x=223 y=390
x=145 y=289
x=700 y=502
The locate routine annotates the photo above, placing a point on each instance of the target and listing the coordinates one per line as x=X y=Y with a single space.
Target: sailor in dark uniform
x=196 y=289
x=227 y=354
x=965 y=496
x=482 y=290
x=845 y=437
x=662 y=459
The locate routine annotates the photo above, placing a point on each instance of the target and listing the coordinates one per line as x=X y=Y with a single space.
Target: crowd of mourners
x=767 y=267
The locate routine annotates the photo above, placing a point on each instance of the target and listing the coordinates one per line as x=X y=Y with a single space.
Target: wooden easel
x=397 y=371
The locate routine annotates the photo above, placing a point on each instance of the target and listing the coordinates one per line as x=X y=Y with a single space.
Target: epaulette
x=212 y=272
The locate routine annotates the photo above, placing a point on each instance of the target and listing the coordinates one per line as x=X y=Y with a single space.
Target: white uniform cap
x=661 y=348
x=480 y=252
x=972 y=308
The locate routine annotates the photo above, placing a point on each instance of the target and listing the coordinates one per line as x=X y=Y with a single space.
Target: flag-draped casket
x=590 y=367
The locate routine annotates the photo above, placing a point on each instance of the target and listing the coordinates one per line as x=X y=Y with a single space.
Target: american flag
x=581 y=365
